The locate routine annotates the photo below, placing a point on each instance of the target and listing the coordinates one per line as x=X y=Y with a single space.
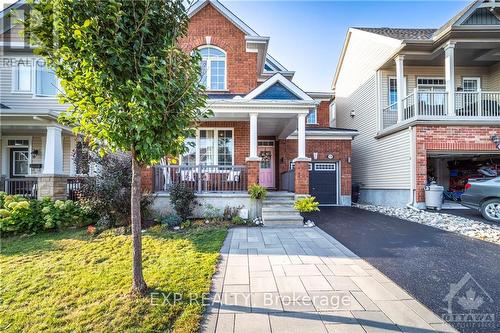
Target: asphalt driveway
x=425 y=261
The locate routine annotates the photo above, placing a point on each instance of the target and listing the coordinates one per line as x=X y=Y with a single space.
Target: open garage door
x=323 y=182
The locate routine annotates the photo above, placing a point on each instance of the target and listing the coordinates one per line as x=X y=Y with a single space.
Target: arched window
x=213 y=68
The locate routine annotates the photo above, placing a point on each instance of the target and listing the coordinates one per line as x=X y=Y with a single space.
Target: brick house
x=265 y=129
x=426 y=103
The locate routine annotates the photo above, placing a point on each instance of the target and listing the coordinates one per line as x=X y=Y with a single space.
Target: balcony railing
x=431 y=105
x=201 y=178
x=27 y=187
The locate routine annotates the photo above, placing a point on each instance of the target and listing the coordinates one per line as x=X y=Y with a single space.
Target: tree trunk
x=138 y=284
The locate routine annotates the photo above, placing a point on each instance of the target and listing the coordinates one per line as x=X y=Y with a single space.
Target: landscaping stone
x=448 y=222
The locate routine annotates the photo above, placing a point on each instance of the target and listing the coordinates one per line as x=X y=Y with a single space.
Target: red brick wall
x=448 y=139
x=341 y=150
x=301 y=177
x=322 y=114
x=241 y=65
x=241 y=135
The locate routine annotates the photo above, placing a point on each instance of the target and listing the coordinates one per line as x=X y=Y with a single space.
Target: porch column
x=253 y=161
x=449 y=74
x=53 y=160
x=52 y=183
x=400 y=77
x=301 y=162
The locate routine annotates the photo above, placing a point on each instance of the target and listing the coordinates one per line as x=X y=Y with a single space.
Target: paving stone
x=337 y=317
x=301 y=270
x=225 y=323
x=378 y=276
x=209 y=323
x=365 y=301
x=324 y=270
x=266 y=302
x=396 y=290
x=315 y=283
x=236 y=288
x=342 y=283
x=290 y=284
x=375 y=322
x=279 y=260
x=235 y=303
x=295 y=259
x=268 y=274
x=423 y=312
x=403 y=316
x=373 y=289
x=262 y=284
x=311 y=259
x=237 y=260
x=272 y=251
x=236 y=275
x=296 y=322
x=251 y=323
x=334 y=301
x=278 y=270
x=251 y=245
x=259 y=263
x=344 y=328
x=360 y=271
x=343 y=270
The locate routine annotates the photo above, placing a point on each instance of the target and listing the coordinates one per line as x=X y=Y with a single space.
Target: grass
x=71 y=282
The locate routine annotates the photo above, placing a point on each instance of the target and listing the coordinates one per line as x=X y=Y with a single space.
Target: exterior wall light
x=352 y=113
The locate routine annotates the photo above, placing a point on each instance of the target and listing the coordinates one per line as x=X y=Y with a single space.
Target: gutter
x=413 y=156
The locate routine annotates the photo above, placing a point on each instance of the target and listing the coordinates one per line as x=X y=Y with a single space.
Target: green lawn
x=70 y=282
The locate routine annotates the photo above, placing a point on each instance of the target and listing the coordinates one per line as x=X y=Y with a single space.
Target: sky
x=307 y=36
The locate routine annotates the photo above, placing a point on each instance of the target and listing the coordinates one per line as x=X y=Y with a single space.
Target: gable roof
x=200 y=4
x=284 y=82
x=401 y=33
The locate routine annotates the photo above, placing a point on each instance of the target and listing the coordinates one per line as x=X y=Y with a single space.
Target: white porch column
x=253 y=135
x=53 y=160
x=301 y=127
x=400 y=77
x=449 y=74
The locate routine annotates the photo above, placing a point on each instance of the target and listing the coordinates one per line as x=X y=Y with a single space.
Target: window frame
x=471 y=78
x=5 y=148
x=430 y=85
x=315 y=112
x=15 y=79
x=209 y=66
x=215 y=145
x=35 y=93
x=393 y=77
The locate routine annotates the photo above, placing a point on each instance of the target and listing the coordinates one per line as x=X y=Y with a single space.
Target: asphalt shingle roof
x=402 y=33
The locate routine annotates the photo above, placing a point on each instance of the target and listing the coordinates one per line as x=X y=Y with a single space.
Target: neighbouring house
x=264 y=129
x=426 y=103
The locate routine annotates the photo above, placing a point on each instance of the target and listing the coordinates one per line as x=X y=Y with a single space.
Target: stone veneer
x=53 y=186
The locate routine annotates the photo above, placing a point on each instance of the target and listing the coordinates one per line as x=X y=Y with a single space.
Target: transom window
x=431 y=84
x=216 y=147
x=213 y=68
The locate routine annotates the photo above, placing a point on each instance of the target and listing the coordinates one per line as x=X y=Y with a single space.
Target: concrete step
x=278 y=209
x=278 y=202
x=296 y=222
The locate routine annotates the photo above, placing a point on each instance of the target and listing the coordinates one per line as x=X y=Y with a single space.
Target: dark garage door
x=323 y=182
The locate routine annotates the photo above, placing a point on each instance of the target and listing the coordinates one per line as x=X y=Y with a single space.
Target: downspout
x=412 y=169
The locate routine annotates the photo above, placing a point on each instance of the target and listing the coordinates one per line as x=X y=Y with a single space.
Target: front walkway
x=303 y=280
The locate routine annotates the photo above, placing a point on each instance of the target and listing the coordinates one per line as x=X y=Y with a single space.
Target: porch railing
x=201 y=178
x=434 y=104
x=73 y=188
x=288 y=181
x=27 y=187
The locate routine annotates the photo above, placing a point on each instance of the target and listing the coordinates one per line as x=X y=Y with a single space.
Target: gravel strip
x=448 y=222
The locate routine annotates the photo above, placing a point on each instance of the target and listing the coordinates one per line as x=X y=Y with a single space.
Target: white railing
x=477 y=104
x=434 y=105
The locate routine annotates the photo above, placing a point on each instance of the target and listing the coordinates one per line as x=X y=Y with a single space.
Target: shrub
x=231 y=212
x=238 y=220
x=257 y=192
x=306 y=204
x=107 y=193
x=182 y=199
x=212 y=213
x=20 y=215
x=171 y=220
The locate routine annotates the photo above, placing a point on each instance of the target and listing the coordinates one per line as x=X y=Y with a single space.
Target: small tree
x=130 y=87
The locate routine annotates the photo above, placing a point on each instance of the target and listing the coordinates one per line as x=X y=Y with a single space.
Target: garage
x=323 y=182
x=453 y=170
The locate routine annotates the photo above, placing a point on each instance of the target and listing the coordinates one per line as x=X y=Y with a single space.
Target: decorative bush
x=183 y=200
x=20 y=215
x=107 y=193
x=231 y=212
x=257 y=192
x=212 y=213
x=171 y=220
x=238 y=220
x=306 y=204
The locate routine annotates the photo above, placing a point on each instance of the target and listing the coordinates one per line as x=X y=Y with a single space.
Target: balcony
x=201 y=178
x=427 y=105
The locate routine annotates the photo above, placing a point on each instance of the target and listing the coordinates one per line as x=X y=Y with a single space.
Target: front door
x=266 y=153
x=19 y=162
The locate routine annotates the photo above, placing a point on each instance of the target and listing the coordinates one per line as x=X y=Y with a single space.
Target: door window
x=470 y=84
x=20 y=162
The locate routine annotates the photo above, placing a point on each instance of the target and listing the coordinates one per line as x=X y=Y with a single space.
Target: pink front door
x=266 y=175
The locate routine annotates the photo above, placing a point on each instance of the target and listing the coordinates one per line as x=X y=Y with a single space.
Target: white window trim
x=315 y=110
x=476 y=78
x=216 y=148
x=6 y=162
x=405 y=91
x=15 y=80
x=209 y=67
x=429 y=78
x=41 y=96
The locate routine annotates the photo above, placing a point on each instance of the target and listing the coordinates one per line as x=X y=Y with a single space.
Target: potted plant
x=257 y=194
x=306 y=205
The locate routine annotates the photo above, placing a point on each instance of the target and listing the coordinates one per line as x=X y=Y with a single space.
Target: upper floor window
x=312 y=117
x=213 y=68
x=22 y=77
x=46 y=80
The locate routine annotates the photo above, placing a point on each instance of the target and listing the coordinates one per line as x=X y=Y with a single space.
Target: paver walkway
x=303 y=280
